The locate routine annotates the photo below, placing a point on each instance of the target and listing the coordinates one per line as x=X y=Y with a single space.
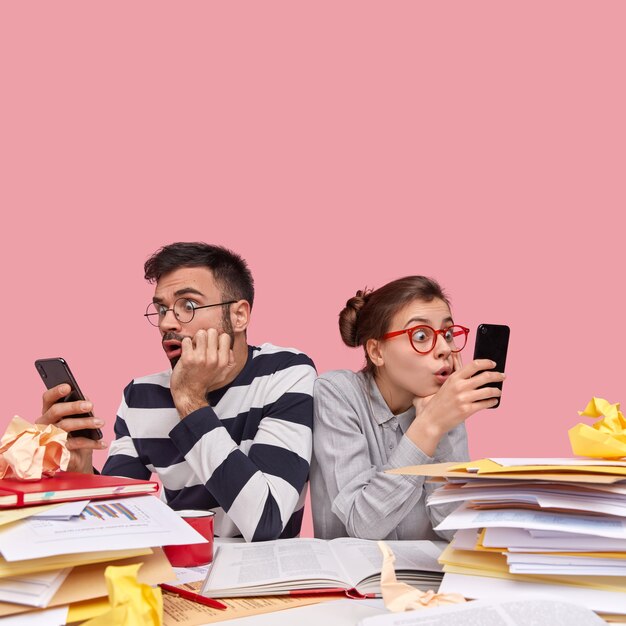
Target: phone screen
x=492 y=342
x=55 y=372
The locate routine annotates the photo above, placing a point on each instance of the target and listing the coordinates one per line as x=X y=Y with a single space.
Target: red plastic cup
x=193 y=554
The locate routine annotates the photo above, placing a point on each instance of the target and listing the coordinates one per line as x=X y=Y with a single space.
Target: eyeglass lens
x=425 y=338
x=183 y=310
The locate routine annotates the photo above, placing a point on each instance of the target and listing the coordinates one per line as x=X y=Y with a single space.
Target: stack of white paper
x=38 y=553
x=557 y=523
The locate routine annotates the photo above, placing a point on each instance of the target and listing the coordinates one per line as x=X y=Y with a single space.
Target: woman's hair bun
x=349 y=317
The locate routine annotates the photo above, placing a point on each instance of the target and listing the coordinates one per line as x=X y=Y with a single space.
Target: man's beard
x=227 y=328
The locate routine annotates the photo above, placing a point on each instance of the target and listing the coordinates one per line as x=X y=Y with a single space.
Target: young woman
x=406 y=407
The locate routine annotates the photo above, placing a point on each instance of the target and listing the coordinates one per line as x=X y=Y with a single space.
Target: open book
x=296 y=566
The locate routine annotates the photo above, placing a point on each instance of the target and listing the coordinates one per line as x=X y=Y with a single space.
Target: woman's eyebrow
x=425 y=320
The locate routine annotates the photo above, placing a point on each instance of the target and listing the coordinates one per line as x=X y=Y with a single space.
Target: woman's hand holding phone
x=60 y=414
x=458 y=398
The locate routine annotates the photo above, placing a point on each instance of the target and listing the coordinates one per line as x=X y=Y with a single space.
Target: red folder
x=66 y=486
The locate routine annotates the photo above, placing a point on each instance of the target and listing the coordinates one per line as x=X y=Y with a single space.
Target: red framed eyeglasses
x=424 y=338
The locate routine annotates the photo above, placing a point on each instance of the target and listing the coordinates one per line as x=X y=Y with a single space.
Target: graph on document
x=113 y=510
x=129 y=514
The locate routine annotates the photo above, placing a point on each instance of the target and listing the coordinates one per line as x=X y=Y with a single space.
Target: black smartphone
x=492 y=342
x=55 y=372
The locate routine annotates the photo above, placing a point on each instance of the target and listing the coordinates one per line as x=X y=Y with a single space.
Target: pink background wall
x=335 y=145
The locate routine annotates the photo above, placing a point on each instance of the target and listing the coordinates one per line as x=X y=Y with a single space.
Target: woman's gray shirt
x=355 y=439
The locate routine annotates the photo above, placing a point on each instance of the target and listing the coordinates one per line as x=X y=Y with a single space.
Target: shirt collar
x=381 y=412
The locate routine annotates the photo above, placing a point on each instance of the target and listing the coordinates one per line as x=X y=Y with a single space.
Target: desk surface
x=335 y=612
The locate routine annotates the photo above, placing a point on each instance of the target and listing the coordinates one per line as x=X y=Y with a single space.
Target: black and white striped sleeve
x=123 y=459
x=258 y=483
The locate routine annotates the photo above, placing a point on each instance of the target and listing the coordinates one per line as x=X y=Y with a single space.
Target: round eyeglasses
x=424 y=338
x=183 y=309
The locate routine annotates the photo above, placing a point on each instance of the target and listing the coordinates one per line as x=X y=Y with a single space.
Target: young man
x=228 y=427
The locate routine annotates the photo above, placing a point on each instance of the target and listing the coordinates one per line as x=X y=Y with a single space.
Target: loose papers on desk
x=87 y=582
x=133 y=522
x=487 y=588
x=127 y=527
x=33 y=590
x=50 y=617
x=512 y=611
x=467 y=517
x=571 y=511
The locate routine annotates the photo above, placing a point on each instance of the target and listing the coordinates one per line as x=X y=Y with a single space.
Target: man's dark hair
x=230 y=271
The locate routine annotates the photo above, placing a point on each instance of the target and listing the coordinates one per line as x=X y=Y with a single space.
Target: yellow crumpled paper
x=399 y=596
x=606 y=439
x=31 y=451
x=132 y=603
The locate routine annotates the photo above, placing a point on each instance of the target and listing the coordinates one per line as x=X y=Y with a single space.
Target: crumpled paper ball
x=32 y=451
x=399 y=596
x=606 y=438
x=131 y=603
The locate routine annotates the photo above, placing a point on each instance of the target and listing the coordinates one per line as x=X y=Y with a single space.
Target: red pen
x=194 y=597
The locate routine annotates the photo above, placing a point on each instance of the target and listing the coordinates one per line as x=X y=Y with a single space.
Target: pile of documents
x=552 y=527
x=55 y=555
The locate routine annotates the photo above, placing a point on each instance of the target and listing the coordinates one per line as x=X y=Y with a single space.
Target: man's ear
x=374 y=351
x=240 y=315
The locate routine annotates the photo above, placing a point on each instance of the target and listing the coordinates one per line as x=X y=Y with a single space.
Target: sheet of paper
x=63 y=511
x=567 y=559
x=180 y=612
x=9 y=516
x=335 y=613
x=81 y=611
x=492 y=564
x=87 y=582
x=61 y=561
x=464 y=517
x=566 y=461
x=488 y=588
x=32 y=590
x=512 y=611
x=576 y=471
x=137 y=522
x=458 y=472
x=191 y=574
x=513 y=538
x=48 y=617
x=565 y=570
x=465 y=539
x=611 y=504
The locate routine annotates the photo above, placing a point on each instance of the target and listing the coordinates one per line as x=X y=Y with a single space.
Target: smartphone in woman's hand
x=492 y=342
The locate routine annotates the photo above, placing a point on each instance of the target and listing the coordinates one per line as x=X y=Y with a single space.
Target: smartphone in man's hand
x=55 y=372
x=492 y=342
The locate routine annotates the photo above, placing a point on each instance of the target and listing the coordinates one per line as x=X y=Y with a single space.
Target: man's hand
x=57 y=413
x=205 y=364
